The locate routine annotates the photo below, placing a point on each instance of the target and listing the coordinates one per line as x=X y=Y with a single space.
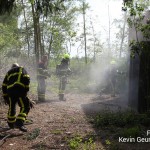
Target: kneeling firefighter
x=15 y=88
x=62 y=71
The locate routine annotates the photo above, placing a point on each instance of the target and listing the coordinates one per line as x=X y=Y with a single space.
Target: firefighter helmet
x=15 y=65
x=66 y=56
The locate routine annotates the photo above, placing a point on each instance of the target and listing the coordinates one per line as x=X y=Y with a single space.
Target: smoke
x=110 y=79
x=98 y=74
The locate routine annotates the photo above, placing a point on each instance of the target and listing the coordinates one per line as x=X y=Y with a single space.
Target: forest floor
x=64 y=125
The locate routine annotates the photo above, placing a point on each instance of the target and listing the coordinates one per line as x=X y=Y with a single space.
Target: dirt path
x=56 y=122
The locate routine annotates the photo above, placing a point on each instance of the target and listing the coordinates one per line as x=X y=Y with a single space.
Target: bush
x=133 y=132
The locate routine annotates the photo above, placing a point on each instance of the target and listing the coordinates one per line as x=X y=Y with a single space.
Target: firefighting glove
x=6 y=99
x=32 y=103
x=69 y=72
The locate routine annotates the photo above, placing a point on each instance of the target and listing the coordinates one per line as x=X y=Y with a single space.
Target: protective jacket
x=42 y=71
x=15 y=87
x=63 y=68
x=16 y=79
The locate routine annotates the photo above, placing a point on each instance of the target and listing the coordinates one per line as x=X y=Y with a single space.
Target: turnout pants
x=24 y=105
x=62 y=87
x=41 y=89
x=113 y=86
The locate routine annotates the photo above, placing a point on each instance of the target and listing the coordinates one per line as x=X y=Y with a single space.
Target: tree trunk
x=123 y=33
x=37 y=35
x=109 y=47
x=27 y=33
x=84 y=29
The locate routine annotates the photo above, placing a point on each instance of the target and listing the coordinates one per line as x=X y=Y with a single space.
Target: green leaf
x=31 y=1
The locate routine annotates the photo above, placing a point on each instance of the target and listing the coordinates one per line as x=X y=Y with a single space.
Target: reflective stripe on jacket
x=16 y=76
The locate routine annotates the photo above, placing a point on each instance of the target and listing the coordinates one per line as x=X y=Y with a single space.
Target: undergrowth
x=110 y=126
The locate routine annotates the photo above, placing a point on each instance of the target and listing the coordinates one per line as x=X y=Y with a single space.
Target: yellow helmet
x=66 y=56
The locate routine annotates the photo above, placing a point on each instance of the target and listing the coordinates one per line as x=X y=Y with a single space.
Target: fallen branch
x=41 y=141
x=4 y=139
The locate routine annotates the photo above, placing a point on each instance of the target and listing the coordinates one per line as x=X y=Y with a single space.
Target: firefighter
x=63 y=70
x=41 y=76
x=15 y=88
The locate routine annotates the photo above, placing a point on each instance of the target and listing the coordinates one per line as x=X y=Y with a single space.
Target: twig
x=40 y=141
x=4 y=139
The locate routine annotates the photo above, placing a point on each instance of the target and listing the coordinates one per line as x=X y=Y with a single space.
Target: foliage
x=58 y=132
x=43 y=7
x=136 y=11
x=9 y=33
x=6 y=6
x=139 y=48
x=128 y=124
x=80 y=143
x=56 y=28
x=74 y=143
x=121 y=119
x=133 y=132
x=34 y=134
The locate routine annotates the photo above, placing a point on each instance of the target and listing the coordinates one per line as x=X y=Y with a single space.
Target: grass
x=57 y=132
x=121 y=119
x=79 y=142
x=33 y=135
x=127 y=124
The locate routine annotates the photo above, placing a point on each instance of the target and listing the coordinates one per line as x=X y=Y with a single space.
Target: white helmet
x=15 y=65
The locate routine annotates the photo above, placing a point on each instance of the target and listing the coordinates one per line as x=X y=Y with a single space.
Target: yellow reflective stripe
x=22 y=105
x=22 y=114
x=22 y=110
x=4 y=84
x=11 y=117
x=5 y=94
x=11 y=121
x=26 y=75
x=22 y=118
x=16 y=83
x=25 y=86
x=12 y=75
x=20 y=72
x=18 y=80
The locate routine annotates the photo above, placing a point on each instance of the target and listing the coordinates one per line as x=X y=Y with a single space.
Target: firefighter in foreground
x=15 y=88
x=63 y=70
x=41 y=77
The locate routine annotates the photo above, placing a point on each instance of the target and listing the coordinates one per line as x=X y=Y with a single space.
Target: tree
x=84 y=29
x=9 y=38
x=139 y=47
